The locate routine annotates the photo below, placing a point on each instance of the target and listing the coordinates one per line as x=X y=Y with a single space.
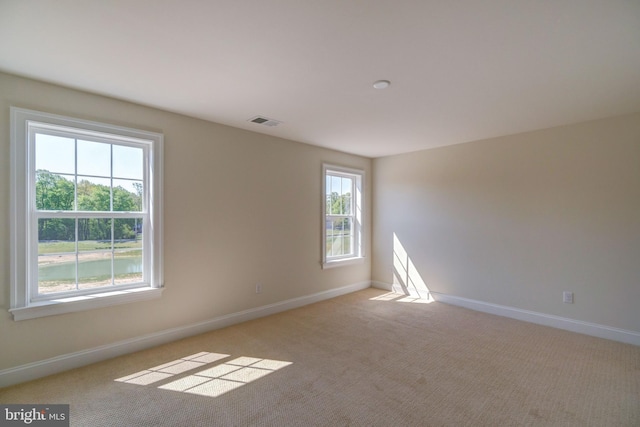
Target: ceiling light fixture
x=381 y=84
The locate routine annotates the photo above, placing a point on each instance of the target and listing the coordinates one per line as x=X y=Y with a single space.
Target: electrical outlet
x=258 y=288
x=567 y=297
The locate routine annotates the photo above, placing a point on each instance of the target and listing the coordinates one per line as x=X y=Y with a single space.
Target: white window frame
x=358 y=177
x=23 y=217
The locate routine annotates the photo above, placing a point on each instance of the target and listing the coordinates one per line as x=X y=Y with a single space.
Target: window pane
x=128 y=231
x=128 y=250
x=94 y=269
x=94 y=234
x=128 y=267
x=345 y=194
x=55 y=154
x=338 y=190
x=335 y=184
x=94 y=158
x=94 y=252
x=127 y=162
x=346 y=204
x=56 y=235
x=340 y=204
x=339 y=239
x=57 y=277
x=94 y=194
x=56 y=255
x=54 y=192
x=347 y=245
x=127 y=195
x=336 y=201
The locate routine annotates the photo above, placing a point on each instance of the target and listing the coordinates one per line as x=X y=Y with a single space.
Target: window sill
x=84 y=302
x=342 y=262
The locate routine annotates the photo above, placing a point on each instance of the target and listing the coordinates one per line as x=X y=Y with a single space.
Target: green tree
x=125 y=201
x=55 y=192
x=93 y=197
x=339 y=205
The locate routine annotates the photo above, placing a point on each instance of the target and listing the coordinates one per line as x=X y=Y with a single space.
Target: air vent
x=264 y=121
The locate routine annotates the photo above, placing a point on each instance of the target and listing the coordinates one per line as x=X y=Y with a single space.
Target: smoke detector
x=381 y=84
x=261 y=120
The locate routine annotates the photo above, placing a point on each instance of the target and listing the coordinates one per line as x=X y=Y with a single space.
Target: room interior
x=500 y=165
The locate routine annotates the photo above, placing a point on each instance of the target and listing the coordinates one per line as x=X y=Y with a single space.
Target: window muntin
x=342 y=230
x=86 y=213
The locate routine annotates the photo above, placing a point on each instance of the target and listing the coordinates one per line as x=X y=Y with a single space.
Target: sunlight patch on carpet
x=396 y=297
x=209 y=381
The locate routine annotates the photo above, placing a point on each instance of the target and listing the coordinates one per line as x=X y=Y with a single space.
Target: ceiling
x=460 y=70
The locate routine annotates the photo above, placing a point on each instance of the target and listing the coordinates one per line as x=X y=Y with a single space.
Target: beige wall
x=511 y=221
x=517 y=220
x=240 y=208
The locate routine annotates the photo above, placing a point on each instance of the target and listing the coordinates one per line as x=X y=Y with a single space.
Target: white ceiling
x=460 y=70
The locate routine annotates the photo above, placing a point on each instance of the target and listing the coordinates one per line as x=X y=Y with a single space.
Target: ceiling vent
x=264 y=121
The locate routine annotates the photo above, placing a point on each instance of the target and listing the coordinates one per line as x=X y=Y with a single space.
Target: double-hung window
x=86 y=214
x=342 y=219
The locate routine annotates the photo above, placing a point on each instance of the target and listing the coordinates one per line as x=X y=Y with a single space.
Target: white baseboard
x=396 y=288
x=587 y=328
x=382 y=285
x=77 y=359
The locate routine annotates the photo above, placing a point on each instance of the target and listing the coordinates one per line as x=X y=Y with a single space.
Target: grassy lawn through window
x=58 y=247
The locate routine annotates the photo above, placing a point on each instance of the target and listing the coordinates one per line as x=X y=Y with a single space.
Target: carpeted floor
x=364 y=359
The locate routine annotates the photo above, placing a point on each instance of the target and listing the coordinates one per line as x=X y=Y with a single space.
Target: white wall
x=240 y=208
x=514 y=221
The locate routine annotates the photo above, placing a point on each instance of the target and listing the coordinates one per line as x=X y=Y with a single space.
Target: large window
x=86 y=200
x=342 y=217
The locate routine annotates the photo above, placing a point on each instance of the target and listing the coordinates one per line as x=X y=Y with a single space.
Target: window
x=342 y=228
x=86 y=214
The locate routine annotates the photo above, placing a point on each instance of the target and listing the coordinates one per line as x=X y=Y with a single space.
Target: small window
x=342 y=228
x=86 y=200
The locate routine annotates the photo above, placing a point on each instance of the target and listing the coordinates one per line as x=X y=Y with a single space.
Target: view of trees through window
x=339 y=215
x=89 y=200
x=56 y=193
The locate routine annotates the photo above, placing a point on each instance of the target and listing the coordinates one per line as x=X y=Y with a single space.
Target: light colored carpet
x=364 y=359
